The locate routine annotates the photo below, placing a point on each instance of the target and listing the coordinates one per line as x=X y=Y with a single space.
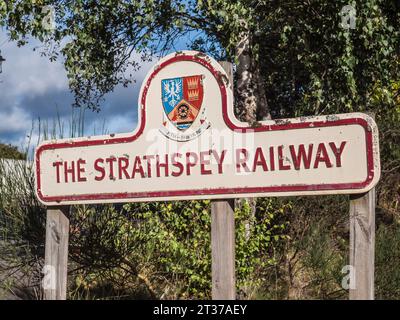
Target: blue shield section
x=172 y=93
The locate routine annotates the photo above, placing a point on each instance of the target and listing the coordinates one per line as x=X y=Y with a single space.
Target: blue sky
x=32 y=87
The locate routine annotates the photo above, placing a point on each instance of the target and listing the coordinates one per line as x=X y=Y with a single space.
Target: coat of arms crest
x=182 y=98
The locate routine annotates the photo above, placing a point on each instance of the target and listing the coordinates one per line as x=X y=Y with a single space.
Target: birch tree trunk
x=251 y=100
x=250 y=96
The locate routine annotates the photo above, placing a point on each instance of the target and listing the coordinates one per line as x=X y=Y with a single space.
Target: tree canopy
x=304 y=61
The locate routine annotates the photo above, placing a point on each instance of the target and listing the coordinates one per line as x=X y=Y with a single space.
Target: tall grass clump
x=22 y=216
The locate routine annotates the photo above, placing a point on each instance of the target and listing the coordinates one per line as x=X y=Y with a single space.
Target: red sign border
x=198 y=58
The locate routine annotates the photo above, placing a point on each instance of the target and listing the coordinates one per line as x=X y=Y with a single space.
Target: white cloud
x=121 y=123
x=26 y=72
x=14 y=120
x=31 y=86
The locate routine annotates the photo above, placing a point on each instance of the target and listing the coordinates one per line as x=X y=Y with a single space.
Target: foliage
x=164 y=248
x=387 y=261
x=23 y=217
x=256 y=246
x=386 y=99
x=315 y=252
x=22 y=231
x=8 y=151
x=163 y=243
x=311 y=65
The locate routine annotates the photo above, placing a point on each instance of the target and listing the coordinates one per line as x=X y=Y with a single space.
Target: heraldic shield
x=182 y=98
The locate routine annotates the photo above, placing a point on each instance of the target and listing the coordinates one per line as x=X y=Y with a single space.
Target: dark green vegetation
x=300 y=61
x=8 y=151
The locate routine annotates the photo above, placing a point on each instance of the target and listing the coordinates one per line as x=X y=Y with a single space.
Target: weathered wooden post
x=223 y=237
x=223 y=249
x=56 y=255
x=362 y=245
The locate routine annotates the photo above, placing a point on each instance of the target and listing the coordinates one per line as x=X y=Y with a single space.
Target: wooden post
x=223 y=249
x=56 y=254
x=362 y=245
x=223 y=237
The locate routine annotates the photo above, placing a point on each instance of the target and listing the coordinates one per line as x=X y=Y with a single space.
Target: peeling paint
x=332 y=117
x=282 y=121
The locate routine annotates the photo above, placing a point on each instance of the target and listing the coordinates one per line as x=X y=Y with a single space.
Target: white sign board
x=189 y=145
